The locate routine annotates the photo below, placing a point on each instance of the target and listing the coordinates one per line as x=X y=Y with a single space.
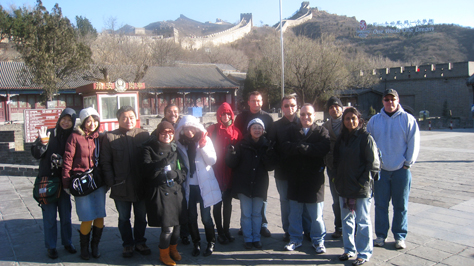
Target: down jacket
x=306 y=185
x=205 y=158
x=356 y=160
x=250 y=165
x=222 y=137
x=164 y=200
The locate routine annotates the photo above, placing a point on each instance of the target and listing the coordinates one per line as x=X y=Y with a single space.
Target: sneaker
x=143 y=249
x=127 y=252
x=400 y=244
x=292 y=246
x=379 y=242
x=319 y=248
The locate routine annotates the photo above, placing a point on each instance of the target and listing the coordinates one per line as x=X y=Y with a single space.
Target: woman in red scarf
x=223 y=133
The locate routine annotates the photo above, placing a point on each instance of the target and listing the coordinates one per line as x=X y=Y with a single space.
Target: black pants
x=217 y=211
x=169 y=236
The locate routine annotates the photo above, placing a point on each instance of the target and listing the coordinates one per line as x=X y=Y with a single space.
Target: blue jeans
x=250 y=217
x=394 y=185
x=194 y=199
x=63 y=206
x=336 y=209
x=362 y=242
x=315 y=211
x=282 y=187
x=124 y=209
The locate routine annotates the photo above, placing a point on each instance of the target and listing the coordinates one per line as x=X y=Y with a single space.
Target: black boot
x=211 y=240
x=209 y=249
x=84 y=239
x=196 y=249
x=96 y=235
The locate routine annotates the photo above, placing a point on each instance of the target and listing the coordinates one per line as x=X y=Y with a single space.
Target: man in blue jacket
x=398 y=138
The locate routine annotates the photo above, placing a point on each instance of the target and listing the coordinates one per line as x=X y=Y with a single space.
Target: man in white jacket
x=398 y=138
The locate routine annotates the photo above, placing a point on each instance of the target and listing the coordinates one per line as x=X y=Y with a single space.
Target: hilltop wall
x=230 y=35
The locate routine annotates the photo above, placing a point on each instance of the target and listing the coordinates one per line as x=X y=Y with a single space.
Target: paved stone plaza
x=441 y=221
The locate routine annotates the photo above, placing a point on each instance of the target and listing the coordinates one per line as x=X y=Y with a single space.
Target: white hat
x=85 y=113
x=255 y=121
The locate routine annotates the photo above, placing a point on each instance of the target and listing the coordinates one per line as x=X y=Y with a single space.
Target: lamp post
x=282 y=56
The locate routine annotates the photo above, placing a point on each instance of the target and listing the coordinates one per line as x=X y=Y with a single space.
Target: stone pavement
x=441 y=215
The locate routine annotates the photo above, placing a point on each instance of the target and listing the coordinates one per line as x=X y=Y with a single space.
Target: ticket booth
x=108 y=97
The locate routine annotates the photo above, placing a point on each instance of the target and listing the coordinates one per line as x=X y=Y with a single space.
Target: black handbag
x=85 y=183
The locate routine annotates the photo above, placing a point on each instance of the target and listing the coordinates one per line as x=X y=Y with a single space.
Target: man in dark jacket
x=334 y=125
x=283 y=171
x=119 y=159
x=255 y=102
x=308 y=145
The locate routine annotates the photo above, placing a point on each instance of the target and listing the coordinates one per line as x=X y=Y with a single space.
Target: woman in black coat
x=49 y=148
x=164 y=195
x=356 y=160
x=250 y=161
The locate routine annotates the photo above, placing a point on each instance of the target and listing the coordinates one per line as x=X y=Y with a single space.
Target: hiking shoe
x=292 y=246
x=379 y=242
x=319 y=248
x=400 y=244
x=127 y=252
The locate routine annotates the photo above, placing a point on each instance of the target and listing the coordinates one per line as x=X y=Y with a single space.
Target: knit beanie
x=85 y=113
x=334 y=101
x=255 y=121
x=163 y=126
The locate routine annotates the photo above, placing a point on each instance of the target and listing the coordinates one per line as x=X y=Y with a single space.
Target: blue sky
x=140 y=13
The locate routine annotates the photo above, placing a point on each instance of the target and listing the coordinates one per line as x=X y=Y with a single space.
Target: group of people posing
x=163 y=176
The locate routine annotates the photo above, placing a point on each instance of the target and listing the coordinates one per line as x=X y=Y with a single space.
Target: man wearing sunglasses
x=398 y=138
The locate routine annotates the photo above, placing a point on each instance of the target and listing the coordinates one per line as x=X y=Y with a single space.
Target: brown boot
x=165 y=257
x=174 y=254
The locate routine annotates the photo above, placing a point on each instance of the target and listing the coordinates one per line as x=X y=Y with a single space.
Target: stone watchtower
x=247 y=17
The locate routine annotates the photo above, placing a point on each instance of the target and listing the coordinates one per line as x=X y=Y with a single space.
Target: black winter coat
x=356 y=161
x=304 y=154
x=56 y=144
x=250 y=165
x=165 y=202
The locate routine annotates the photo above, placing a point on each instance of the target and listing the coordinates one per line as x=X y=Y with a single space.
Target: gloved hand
x=171 y=174
x=44 y=135
x=203 y=140
x=56 y=161
x=231 y=149
x=303 y=148
x=68 y=191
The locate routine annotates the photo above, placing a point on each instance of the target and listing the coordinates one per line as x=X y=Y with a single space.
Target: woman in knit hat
x=250 y=160
x=164 y=174
x=81 y=154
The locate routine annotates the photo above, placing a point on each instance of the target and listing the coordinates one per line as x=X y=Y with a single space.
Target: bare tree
x=165 y=52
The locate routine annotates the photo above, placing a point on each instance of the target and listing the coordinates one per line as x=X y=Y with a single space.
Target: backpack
x=47 y=189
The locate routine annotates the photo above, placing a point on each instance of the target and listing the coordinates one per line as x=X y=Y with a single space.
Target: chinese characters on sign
x=112 y=86
x=416 y=26
x=36 y=118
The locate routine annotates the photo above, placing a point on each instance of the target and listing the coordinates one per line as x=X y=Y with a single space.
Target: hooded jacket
x=56 y=144
x=222 y=136
x=205 y=158
x=397 y=137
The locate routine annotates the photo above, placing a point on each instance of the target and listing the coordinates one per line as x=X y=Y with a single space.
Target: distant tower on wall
x=247 y=17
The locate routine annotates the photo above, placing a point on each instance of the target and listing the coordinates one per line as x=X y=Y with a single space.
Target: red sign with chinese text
x=36 y=118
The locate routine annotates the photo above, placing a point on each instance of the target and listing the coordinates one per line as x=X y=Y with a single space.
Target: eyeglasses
x=289 y=105
x=168 y=132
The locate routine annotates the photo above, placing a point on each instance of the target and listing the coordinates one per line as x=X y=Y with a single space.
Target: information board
x=36 y=118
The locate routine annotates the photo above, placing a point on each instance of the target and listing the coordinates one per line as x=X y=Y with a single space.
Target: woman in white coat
x=201 y=185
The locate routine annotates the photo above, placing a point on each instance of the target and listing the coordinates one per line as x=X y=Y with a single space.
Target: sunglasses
x=288 y=105
x=167 y=132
